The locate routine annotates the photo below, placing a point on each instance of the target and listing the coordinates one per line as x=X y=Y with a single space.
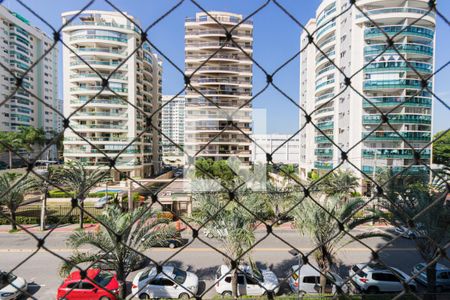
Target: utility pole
x=373 y=189
x=130 y=194
x=45 y=174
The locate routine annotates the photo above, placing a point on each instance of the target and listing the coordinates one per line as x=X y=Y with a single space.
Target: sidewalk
x=288 y=226
x=36 y=229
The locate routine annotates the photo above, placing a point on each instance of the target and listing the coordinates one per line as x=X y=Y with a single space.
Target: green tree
x=138 y=230
x=11 y=142
x=441 y=148
x=339 y=182
x=312 y=220
x=31 y=136
x=77 y=178
x=424 y=208
x=230 y=224
x=13 y=189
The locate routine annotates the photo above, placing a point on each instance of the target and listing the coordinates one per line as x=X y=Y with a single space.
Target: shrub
x=61 y=194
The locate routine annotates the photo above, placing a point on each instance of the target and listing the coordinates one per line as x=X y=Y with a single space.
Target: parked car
x=11 y=286
x=103 y=286
x=250 y=282
x=101 y=202
x=172 y=282
x=407 y=232
x=306 y=280
x=442 y=276
x=375 y=278
x=173 y=242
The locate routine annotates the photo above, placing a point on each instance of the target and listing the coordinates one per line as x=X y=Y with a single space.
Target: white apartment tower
x=172 y=125
x=21 y=44
x=225 y=79
x=351 y=41
x=110 y=120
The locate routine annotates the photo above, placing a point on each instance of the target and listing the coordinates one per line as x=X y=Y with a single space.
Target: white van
x=306 y=280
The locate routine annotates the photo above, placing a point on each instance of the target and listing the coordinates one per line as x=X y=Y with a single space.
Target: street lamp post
x=45 y=175
x=296 y=253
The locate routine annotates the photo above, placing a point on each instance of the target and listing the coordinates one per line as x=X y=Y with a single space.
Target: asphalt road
x=17 y=253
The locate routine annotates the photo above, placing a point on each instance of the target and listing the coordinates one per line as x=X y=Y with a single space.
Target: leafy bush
x=61 y=194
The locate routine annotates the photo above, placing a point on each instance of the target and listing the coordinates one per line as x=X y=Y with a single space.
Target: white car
x=250 y=282
x=11 y=286
x=101 y=202
x=307 y=281
x=375 y=278
x=172 y=282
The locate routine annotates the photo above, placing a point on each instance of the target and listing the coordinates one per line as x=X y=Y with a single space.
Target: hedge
x=61 y=194
x=50 y=220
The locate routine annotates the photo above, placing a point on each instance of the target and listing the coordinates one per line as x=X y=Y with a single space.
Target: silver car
x=442 y=276
x=11 y=286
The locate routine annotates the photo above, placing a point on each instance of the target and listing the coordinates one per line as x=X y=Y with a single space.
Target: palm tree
x=13 y=189
x=138 y=230
x=232 y=225
x=312 y=220
x=31 y=136
x=425 y=204
x=75 y=176
x=340 y=182
x=10 y=142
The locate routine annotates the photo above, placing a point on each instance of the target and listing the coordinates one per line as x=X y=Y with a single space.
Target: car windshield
x=359 y=272
x=103 y=278
x=179 y=276
x=6 y=279
x=257 y=274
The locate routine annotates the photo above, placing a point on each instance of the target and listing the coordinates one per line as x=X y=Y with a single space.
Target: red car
x=102 y=286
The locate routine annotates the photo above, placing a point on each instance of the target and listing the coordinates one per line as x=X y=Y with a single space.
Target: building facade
x=116 y=116
x=285 y=153
x=386 y=81
x=21 y=44
x=224 y=80
x=172 y=126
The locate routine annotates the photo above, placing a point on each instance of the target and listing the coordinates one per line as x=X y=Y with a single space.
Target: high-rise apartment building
x=353 y=42
x=225 y=79
x=286 y=148
x=172 y=126
x=111 y=119
x=21 y=44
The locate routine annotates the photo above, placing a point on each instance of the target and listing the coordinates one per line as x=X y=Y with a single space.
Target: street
x=40 y=269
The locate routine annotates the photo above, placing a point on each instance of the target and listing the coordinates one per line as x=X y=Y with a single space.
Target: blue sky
x=276 y=39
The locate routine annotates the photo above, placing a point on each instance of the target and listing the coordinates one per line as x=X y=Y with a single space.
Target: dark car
x=3 y=165
x=136 y=263
x=174 y=242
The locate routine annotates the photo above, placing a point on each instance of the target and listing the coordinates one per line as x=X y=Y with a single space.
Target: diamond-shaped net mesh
x=328 y=218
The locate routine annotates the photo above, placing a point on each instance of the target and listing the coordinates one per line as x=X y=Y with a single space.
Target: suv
x=442 y=276
x=250 y=282
x=373 y=278
x=306 y=280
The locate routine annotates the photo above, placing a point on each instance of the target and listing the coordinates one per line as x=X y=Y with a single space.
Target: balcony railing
x=320 y=85
x=402 y=48
x=98 y=37
x=324 y=152
x=325 y=125
x=398 y=119
x=323 y=139
x=394 y=153
x=394 y=136
x=397 y=10
x=400 y=30
x=394 y=84
x=395 y=101
x=323 y=165
x=399 y=66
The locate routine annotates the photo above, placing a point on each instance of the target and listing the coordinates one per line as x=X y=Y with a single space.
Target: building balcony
x=323 y=139
x=402 y=48
x=95 y=89
x=323 y=152
x=325 y=97
x=399 y=30
x=412 y=170
x=394 y=153
x=323 y=165
x=398 y=119
x=396 y=101
x=382 y=67
x=325 y=125
x=100 y=24
x=101 y=127
x=99 y=37
x=419 y=136
x=326 y=29
x=100 y=103
x=394 y=84
x=324 y=84
x=221 y=19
